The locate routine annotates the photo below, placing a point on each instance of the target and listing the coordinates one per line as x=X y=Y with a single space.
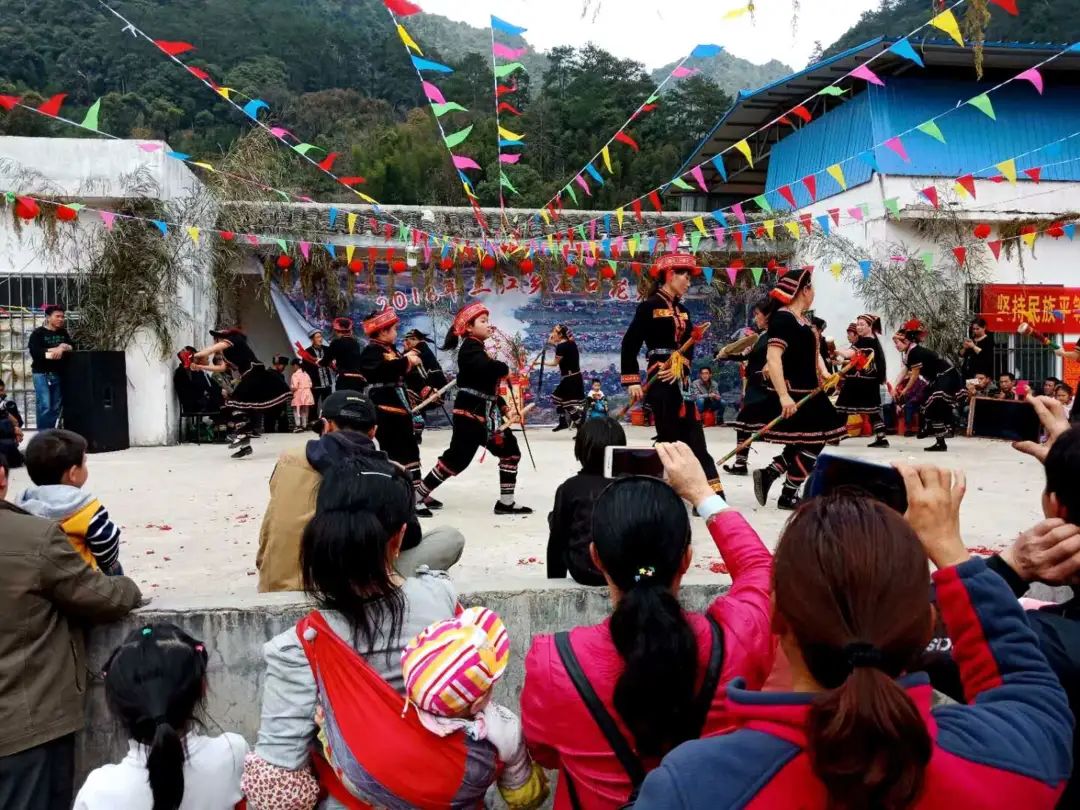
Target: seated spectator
x=982 y=386
x=570 y=521
x=349 y=430
x=450 y=670
x=11 y=434
x=706 y=393
x=1064 y=394
x=9 y=406
x=653 y=668
x=860 y=730
x=155 y=687
x=1006 y=386
x=347 y=724
x=1050 y=386
x=57 y=463
x=48 y=595
x=597 y=401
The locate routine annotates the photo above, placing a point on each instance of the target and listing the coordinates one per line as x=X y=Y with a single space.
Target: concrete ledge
x=234 y=634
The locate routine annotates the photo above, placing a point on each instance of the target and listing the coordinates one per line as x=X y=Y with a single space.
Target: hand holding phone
x=683 y=471
x=622 y=461
x=835 y=473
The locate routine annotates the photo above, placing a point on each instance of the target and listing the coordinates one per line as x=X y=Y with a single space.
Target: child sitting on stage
x=450 y=670
x=56 y=462
x=302 y=398
x=598 y=404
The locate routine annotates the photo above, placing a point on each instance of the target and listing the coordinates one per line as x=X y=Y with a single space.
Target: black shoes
x=563 y=425
x=513 y=509
x=240 y=440
x=880 y=441
x=738 y=468
x=424 y=512
x=938 y=447
x=763 y=481
x=243 y=452
x=789 y=500
x=431 y=503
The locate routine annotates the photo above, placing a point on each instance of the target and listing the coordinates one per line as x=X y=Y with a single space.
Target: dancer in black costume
x=569 y=394
x=860 y=392
x=343 y=356
x=322 y=381
x=478 y=413
x=424 y=378
x=793 y=368
x=944 y=385
x=663 y=324
x=758 y=401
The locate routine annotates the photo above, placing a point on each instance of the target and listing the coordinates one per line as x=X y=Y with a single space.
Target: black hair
x=296 y=361
x=51 y=453
x=1054 y=380
x=155 y=684
x=819 y=323
x=980 y=322
x=1008 y=374
x=658 y=282
x=451 y=342
x=641 y=531
x=594 y=381
x=564 y=331
x=761 y=305
x=1064 y=387
x=1062 y=467
x=49 y=310
x=344 y=547
x=592 y=440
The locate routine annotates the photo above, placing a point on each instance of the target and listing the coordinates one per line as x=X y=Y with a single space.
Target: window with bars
x=1026 y=359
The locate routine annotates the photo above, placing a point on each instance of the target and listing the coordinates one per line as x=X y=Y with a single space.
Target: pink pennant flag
x=252 y=238
x=592 y=229
x=305 y=250
x=682 y=72
x=506 y=158
x=699 y=177
x=433 y=93
x=1032 y=75
x=736 y=209
x=856 y=214
x=506 y=52
x=462 y=162
x=718 y=233
x=581 y=182
x=281 y=132
x=108 y=217
x=673 y=244
x=898 y=146
x=865 y=73
x=150 y=147
x=617 y=245
x=427 y=252
x=733 y=273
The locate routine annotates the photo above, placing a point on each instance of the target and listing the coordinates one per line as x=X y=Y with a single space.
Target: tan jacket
x=293 y=488
x=47 y=595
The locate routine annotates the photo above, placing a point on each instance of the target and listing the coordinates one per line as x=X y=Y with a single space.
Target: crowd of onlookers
x=837 y=672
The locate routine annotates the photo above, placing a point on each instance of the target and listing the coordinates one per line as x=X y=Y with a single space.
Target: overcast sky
x=657 y=32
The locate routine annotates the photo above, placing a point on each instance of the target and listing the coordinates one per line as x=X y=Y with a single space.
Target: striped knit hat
x=788 y=287
x=451 y=667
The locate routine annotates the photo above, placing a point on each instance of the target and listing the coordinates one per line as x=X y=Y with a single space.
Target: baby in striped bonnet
x=450 y=670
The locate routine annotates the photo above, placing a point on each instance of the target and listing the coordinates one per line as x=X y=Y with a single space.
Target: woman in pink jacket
x=603 y=704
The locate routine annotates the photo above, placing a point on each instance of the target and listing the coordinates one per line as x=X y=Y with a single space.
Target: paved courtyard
x=191 y=515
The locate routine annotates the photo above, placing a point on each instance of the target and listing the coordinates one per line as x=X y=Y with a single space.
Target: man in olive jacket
x=47 y=595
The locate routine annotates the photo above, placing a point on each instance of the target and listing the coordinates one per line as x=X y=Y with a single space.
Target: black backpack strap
x=705 y=697
x=621 y=748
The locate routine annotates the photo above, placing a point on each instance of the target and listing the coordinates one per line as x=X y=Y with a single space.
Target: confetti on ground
x=529 y=561
x=983 y=551
x=165 y=527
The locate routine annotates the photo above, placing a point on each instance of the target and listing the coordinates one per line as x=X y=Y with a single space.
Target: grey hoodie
x=80 y=515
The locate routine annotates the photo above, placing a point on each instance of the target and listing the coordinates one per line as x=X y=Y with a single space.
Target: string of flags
x=506 y=140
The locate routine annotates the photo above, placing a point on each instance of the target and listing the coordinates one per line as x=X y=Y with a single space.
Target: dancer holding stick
x=756 y=397
x=662 y=323
x=945 y=386
x=861 y=392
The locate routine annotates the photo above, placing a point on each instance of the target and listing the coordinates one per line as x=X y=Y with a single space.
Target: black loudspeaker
x=95 y=400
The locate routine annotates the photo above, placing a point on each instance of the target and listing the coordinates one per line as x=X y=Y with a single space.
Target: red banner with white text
x=1049 y=308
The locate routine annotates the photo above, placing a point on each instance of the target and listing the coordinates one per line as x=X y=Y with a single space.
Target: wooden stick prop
x=857 y=363
x=676 y=361
x=518 y=420
x=302 y=353
x=1032 y=332
x=434 y=396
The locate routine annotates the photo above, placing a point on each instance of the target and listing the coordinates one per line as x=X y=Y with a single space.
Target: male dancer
x=663 y=324
x=423 y=378
x=343 y=355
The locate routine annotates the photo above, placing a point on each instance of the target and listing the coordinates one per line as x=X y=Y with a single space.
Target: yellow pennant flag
x=1008 y=169
x=735 y=13
x=793 y=229
x=1029 y=238
x=946 y=22
x=348 y=253
x=744 y=147
x=632 y=246
x=224 y=91
x=194 y=234
x=619 y=214
x=606 y=153
x=699 y=223
x=510 y=136
x=410 y=43
x=770 y=228
x=202 y=165
x=366 y=198
x=836 y=172
x=551 y=243
x=546 y=216
x=963 y=192
x=352 y=222
x=836 y=269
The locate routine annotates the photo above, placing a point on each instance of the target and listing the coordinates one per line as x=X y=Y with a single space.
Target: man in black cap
x=343 y=356
x=349 y=427
x=425 y=379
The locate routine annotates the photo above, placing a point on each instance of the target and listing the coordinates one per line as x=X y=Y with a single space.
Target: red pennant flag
x=1035 y=174
x=351 y=181
x=661 y=234
x=403 y=8
x=9 y=102
x=228 y=236
x=328 y=162
x=372 y=224
x=803 y=113
x=785 y=192
x=654 y=198
x=505 y=106
x=648 y=108
x=636 y=205
x=968 y=182
x=811 y=185
x=198 y=73
x=930 y=192
x=835 y=214
x=52 y=106
x=371 y=254
x=1008 y=5
x=807 y=222
x=388 y=230
x=174 y=48
x=961 y=255
x=783 y=119
x=680 y=231
x=737 y=236
x=622 y=137
x=997 y=178
x=995 y=248
x=505 y=89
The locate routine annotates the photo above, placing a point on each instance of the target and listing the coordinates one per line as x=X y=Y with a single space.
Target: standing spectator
x=302 y=400
x=705 y=393
x=322 y=383
x=1006 y=386
x=653 y=667
x=860 y=730
x=49 y=347
x=1050 y=386
x=47 y=595
x=977 y=354
x=11 y=434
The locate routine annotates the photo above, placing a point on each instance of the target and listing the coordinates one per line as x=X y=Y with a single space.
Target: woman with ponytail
x=603 y=704
x=861 y=731
x=155 y=686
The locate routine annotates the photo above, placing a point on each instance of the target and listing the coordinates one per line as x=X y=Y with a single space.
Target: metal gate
x=1027 y=359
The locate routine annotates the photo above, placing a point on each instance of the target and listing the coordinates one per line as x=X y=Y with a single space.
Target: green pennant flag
x=756 y=273
x=865 y=208
x=505 y=70
x=442 y=109
x=614 y=265
x=763 y=203
x=505 y=181
x=581 y=232
x=652 y=99
x=403 y=232
x=831 y=90
x=91 y=120
x=570 y=191
x=457 y=138
x=892 y=205
x=932 y=129
x=678 y=182
x=284 y=196
x=281 y=244
x=695 y=238
x=927 y=260
x=982 y=103
x=304 y=148
x=9 y=196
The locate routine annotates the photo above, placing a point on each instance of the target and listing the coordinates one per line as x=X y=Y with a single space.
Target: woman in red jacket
x=860 y=731
x=603 y=704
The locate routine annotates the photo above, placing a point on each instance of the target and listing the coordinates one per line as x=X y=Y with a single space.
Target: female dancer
x=793 y=368
x=758 y=401
x=861 y=391
x=944 y=385
x=569 y=395
x=258 y=389
x=478 y=412
x=663 y=324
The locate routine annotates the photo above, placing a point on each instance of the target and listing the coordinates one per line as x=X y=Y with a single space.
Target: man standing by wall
x=49 y=347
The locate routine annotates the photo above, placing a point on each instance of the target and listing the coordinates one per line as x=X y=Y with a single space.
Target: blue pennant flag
x=506 y=28
x=161 y=226
x=707 y=272
x=594 y=173
x=607 y=223
x=904 y=48
x=177 y=155
x=706 y=51
x=605 y=245
x=505 y=144
x=652 y=244
x=251 y=109
x=869 y=158
x=1070 y=230
x=745 y=231
x=865 y=266
x=718 y=164
x=445 y=251
x=718 y=215
x=426 y=64
x=333 y=216
x=331 y=250
x=823 y=221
